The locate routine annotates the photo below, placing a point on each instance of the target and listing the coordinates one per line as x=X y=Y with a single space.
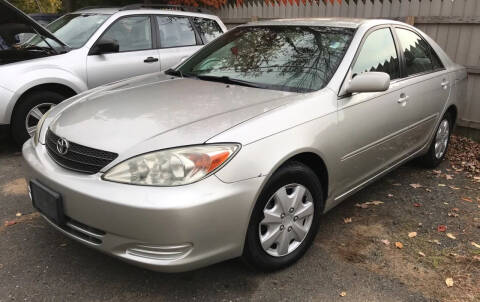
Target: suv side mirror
x=369 y=82
x=105 y=46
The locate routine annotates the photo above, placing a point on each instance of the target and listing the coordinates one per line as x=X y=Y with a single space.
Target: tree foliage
x=38 y=6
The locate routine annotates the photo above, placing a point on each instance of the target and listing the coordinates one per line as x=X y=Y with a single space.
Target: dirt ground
x=401 y=239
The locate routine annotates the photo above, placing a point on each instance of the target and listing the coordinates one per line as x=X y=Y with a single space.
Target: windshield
x=289 y=58
x=73 y=29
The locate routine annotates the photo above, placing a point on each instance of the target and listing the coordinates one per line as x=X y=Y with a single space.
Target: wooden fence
x=454 y=24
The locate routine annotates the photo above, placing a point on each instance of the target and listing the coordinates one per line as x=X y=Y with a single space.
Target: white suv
x=90 y=47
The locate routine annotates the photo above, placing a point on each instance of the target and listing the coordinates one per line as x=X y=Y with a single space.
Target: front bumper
x=167 y=229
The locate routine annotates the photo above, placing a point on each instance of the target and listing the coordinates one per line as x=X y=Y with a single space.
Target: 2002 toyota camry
x=242 y=148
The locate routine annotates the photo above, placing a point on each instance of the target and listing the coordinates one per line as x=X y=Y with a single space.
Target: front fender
x=35 y=78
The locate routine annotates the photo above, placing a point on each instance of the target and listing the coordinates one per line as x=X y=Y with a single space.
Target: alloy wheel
x=34 y=116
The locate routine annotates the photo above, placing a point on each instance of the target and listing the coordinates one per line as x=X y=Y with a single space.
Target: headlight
x=36 y=136
x=172 y=167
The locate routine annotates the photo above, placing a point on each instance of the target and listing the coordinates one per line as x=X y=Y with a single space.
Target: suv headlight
x=38 y=130
x=173 y=167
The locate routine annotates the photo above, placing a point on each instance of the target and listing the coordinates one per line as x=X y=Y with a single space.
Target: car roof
x=333 y=22
x=140 y=10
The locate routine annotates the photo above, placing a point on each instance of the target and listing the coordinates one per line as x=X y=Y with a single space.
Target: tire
x=289 y=179
x=39 y=99
x=435 y=156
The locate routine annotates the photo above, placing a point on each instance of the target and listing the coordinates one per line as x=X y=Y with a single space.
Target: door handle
x=403 y=99
x=150 y=60
x=445 y=84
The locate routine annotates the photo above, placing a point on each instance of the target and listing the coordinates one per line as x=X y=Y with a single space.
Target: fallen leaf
x=442 y=228
x=437 y=172
x=362 y=205
x=448 y=177
x=467 y=199
x=385 y=241
x=436 y=241
x=412 y=234
x=475 y=245
x=347 y=220
x=452 y=214
x=449 y=282
x=454 y=188
x=476 y=257
x=343 y=294
x=9 y=223
x=442 y=185
x=18 y=214
x=399 y=245
x=450 y=235
x=421 y=254
x=369 y=203
x=390 y=195
x=415 y=186
x=428 y=190
x=416 y=204
x=455 y=209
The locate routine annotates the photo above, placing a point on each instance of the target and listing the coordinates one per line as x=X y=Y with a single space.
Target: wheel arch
x=318 y=166
x=453 y=111
x=65 y=90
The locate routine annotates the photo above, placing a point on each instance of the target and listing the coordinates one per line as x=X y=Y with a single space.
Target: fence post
x=410 y=20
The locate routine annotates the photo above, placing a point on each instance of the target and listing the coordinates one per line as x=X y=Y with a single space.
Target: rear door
x=137 y=54
x=178 y=39
x=427 y=85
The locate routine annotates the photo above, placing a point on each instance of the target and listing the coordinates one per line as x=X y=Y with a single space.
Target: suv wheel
x=285 y=218
x=29 y=111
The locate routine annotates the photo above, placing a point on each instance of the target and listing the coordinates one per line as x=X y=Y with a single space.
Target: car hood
x=12 y=18
x=169 y=111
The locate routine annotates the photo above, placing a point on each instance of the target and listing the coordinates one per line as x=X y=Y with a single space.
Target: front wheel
x=29 y=111
x=439 y=146
x=285 y=218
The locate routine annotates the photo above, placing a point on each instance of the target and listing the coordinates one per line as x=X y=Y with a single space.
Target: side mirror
x=105 y=46
x=369 y=82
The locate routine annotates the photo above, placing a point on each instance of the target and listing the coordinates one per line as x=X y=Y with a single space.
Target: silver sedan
x=240 y=149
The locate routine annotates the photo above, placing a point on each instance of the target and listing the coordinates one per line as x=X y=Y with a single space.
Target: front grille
x=78 y=158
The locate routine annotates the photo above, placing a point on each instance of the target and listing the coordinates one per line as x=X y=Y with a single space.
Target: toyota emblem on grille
x=62 y=146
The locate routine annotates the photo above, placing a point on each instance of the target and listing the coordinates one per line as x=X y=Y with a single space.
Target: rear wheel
x=439 y=146
x=285 y=218
x=29 y=111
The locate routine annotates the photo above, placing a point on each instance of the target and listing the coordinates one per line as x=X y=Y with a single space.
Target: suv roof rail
x=166 y=6
x=93 y=7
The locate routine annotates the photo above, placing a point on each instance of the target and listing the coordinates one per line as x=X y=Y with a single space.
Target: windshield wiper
x=228 y=80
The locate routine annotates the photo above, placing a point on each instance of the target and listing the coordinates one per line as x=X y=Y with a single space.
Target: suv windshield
x=289 y=58
x=73 y=29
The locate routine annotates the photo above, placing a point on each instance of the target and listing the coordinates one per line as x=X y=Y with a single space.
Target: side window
x=419 y=56
x=209 y=29
x=378 y=53
x=175 y=31
x=131 y=33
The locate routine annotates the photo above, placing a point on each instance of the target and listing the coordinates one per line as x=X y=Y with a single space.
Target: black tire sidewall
x=430 y=160
x=18 y=130
x=290 y=173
